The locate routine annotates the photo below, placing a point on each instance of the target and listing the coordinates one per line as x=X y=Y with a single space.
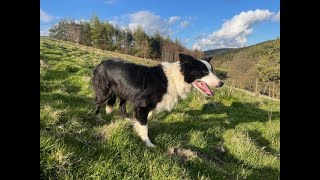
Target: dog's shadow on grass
x=262 y=143
x=229 y=117
x=224 y=165
x=235 y=114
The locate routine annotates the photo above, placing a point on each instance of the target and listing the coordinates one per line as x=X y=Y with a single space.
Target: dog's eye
x=204 y=71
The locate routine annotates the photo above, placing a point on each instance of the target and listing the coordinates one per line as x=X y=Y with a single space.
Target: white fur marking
x=177 y=87
x=108 y=109
x=210 y=79
x=143 y=133
x=207 y=64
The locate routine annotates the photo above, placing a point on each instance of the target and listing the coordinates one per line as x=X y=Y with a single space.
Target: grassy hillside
x=262 y=49
x=229 y=136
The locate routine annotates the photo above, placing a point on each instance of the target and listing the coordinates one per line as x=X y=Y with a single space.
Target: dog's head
x=199 y=73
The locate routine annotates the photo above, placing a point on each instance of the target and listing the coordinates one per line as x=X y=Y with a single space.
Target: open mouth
x=203 y=88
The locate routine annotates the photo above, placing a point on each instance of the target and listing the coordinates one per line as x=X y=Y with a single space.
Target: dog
x=150 y=89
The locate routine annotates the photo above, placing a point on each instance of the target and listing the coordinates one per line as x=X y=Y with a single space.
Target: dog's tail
x=101 y=86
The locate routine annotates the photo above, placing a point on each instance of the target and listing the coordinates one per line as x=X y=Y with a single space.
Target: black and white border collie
x=150 y=89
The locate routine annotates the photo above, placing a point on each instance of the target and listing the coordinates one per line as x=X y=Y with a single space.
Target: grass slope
x=74 y=145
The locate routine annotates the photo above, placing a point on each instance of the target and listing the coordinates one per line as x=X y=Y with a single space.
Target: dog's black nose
x=221 y=83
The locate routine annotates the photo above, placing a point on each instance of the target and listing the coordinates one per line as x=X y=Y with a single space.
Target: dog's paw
x=149 y=144
x=109 y=109
x=150 y=115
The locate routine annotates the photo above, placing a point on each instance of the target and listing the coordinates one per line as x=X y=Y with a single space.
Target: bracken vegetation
x=255 y=68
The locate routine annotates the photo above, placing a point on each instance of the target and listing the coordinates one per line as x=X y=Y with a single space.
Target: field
x=230 y=136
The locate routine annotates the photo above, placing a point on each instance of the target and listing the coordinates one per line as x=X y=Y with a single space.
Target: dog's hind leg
x=110 y=103
x=99 y=101
x=150 y=115
x=97 y=109
x=141 y=126
x=123 y=108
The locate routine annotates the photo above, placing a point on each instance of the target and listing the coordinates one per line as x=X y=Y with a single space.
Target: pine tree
x=141 y=42
x=85 y=34
x=155 y=45
x=97 y=28
x=128 y=41
x=109 y=38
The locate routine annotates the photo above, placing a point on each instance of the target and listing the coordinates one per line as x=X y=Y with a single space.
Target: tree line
x=103 y=35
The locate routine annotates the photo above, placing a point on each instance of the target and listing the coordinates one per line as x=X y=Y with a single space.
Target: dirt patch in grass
x=186 y=154
x=43 y=64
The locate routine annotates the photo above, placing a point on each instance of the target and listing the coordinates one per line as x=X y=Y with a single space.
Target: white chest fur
x=177 y=87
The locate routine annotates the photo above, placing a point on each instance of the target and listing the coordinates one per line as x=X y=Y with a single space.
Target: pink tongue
x=205 y=88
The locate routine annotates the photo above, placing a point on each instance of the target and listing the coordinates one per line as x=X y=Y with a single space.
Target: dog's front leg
x=140 y=125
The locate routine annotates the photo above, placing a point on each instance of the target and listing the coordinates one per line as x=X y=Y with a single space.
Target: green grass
x=74 y=145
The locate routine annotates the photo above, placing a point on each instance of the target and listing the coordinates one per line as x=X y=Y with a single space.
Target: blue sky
x=202 y=24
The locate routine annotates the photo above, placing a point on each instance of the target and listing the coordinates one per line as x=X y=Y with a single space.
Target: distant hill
x=210 y=53
x=256 y=51
x=214 y=51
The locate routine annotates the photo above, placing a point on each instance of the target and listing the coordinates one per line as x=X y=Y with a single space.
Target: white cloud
x=173 y=19
x=114 y=22
x=234 y=32
x=276 y=17
x=45 y=17
x=148 y=20
x=81 y=21
x=109 y=1
x=196 y=46
x=184 y=24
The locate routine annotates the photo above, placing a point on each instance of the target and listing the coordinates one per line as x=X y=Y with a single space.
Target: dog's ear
x=184 y=58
